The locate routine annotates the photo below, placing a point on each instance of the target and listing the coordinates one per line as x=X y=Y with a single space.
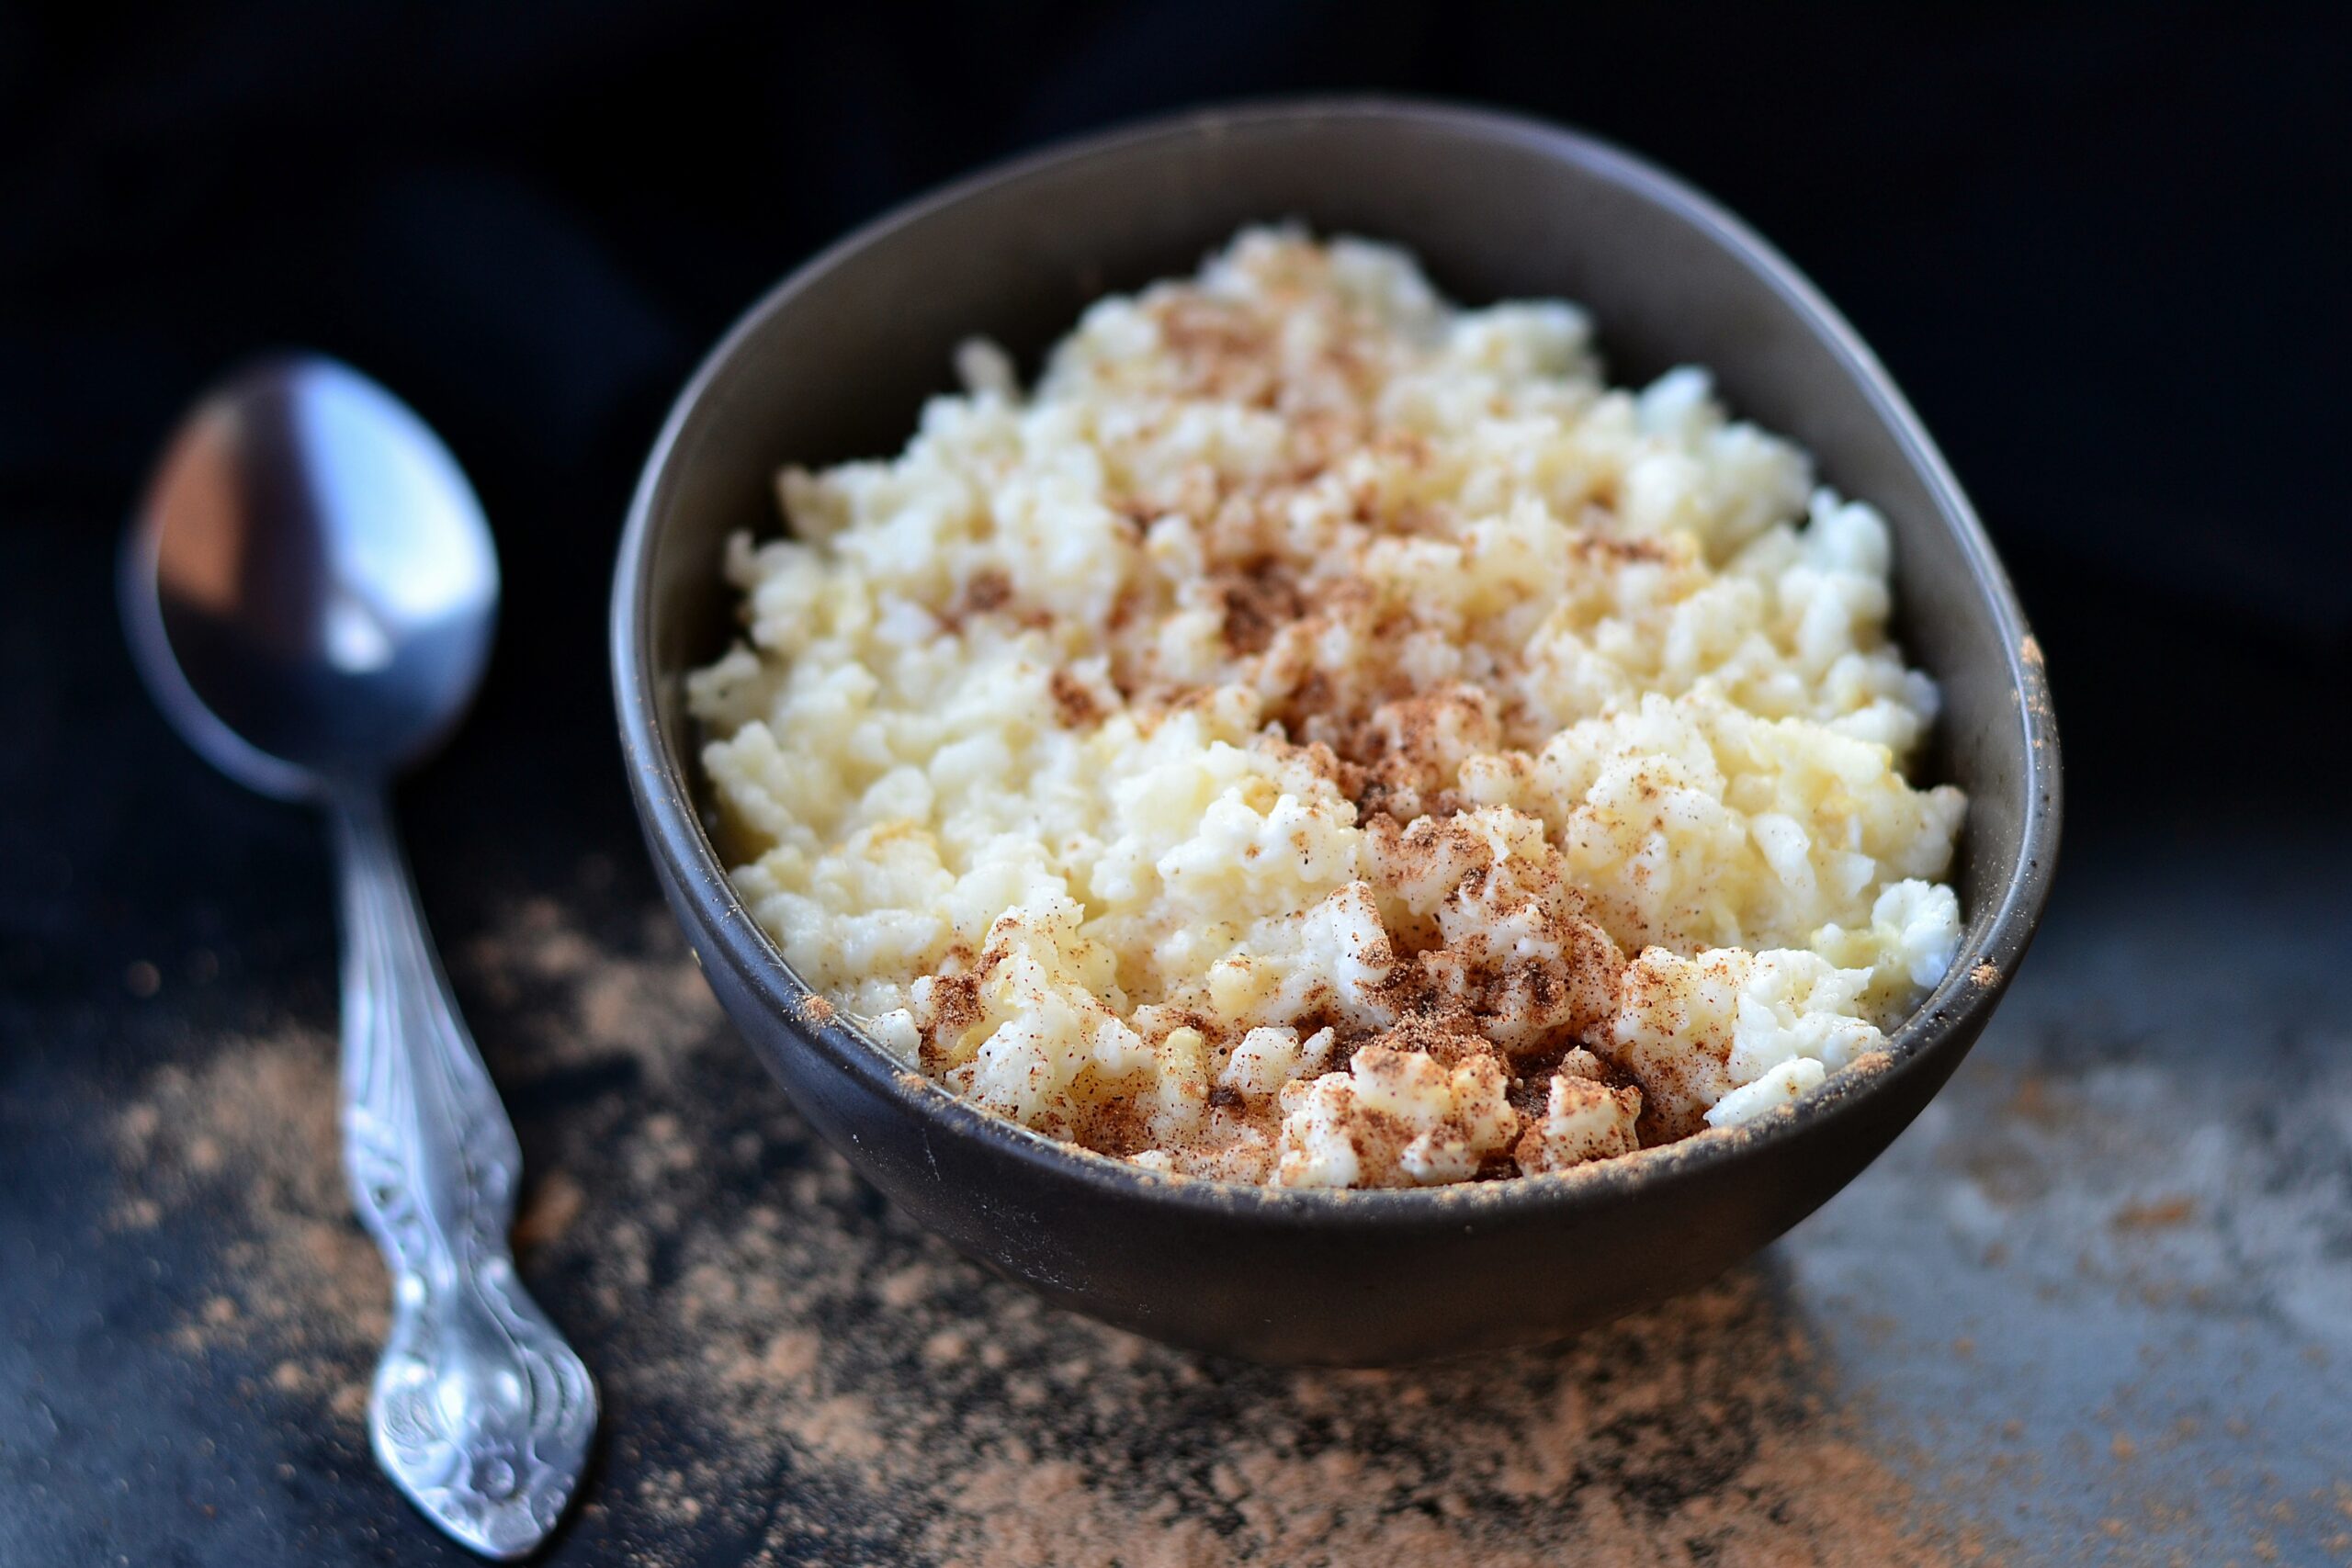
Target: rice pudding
x=1323 y=736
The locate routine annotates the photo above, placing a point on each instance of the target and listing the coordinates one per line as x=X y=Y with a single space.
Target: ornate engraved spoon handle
x=479 y=1411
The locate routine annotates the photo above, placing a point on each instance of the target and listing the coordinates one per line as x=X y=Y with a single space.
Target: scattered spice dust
x=793 y=1371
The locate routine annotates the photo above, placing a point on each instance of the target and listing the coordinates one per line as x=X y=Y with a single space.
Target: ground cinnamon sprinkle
x=795 y=1372
x=256 y=1123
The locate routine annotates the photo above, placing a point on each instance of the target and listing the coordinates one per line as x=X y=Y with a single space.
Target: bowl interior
x=836 y=362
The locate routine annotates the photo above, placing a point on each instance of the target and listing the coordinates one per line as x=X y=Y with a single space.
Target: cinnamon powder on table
x=793 y=1371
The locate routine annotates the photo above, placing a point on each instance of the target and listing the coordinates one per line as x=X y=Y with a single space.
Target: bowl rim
x=1981 y=969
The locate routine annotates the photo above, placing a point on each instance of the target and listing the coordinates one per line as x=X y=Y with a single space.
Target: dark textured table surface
x=2096 y=1304
x=2095 y=1307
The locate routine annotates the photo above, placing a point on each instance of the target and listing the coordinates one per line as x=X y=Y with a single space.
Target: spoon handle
x=479 y=1411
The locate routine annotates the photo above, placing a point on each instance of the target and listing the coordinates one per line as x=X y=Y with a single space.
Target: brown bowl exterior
x=835 y=364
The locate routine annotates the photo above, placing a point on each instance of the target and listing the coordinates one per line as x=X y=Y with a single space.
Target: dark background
x=2094 y=246
x=2101 y=250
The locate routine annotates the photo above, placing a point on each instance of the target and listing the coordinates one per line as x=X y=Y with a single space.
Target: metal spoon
x=309 y=590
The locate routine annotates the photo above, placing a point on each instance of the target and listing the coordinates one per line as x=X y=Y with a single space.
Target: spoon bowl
x=311 y=589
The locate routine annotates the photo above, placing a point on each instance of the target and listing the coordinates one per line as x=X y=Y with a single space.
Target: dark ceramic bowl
x=835 y=362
